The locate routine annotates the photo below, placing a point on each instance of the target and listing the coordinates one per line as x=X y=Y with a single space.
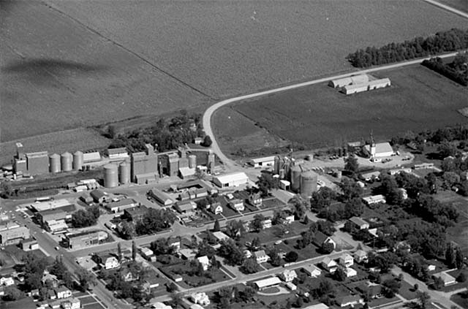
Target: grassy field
x=69 y=64
x=321 y=116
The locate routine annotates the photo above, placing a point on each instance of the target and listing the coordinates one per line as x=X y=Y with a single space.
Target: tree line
x=445 y=41
x=450 y=71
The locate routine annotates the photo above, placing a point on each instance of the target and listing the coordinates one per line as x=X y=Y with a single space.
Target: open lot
x=70 y=64
x=320 y=116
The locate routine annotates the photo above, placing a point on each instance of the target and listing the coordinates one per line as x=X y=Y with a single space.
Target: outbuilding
x=266 y=283
x=231 y=180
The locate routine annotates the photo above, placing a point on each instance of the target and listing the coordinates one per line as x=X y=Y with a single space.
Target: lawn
x=192 y=280
x=407 y=291
x=319 y=116
x=461 y=299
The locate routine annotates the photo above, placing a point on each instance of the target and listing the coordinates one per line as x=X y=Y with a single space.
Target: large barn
x=231 y=180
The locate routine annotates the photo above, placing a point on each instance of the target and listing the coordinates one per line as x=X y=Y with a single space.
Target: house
x=160 y=197
x=288 y=275
x=48 y=277
x=312 y=270
x=121 y=205
x=220 y=236
x=216 y=208
x=51 y=294
x=159 y=305
x=186 y=207
x=62 y=292
x=200 y=299
x=446 y=278
x=86 y=262
x=350 y=300
x=177 y=278
x=135 y=214
x=261 y=256
x=255 y=199
x=346 y=260
x=266 y=283
x=288 y=219
x=370 y=176
x=359 y=223
x=321 y=239
x=29 y=244
x=237 y=204
x=374 y=199
x=350 y=272
x=148 y=254
x=128 y=275
x=431 y=268
x=317 y=306
x=108 y=262
x=174 y=242
x=360 y=256
x=372 y=291
x=99 y=196
x=152 y=282
x=329 y=264
x=187 y=254
x=73 y=303
x=266 y=224
x=205 y=262
x=247 y=254
x=7 y=281
x=291 y=286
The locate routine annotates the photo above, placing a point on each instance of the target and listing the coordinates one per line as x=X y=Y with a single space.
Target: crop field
x=70 y=64
x=319 y=115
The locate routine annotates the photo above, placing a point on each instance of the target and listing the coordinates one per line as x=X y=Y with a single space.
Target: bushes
x=447 y=41
x=436 y=64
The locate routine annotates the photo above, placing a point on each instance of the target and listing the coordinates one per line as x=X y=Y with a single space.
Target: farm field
x=70 y=64
x=320 y=116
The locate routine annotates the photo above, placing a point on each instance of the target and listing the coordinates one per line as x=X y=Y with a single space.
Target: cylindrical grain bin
x=124 y=173
x=192 y=161
x=308 y=184
x=111 y=176
x=296 y=178
x=54 y=163
x=67 y=161
x=77 y=160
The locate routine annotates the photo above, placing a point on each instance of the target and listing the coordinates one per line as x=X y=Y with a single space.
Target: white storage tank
x=77 y=160
x=192 y=161
x=54 y=163
x=111 y=176
x=124 y=173
x=67 y=160
x=308 y=184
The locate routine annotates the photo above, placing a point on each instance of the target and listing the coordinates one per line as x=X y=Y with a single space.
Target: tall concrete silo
x=296 y=178
x=111 y=179
x=211 y=161
x=277 y=165
x=124 y=173
x=67 y=161
x=192 y=161
x=54 y=163
x=78 y=160
x=308 y=184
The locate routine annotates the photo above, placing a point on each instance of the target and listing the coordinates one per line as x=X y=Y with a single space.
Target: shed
x=265 y=283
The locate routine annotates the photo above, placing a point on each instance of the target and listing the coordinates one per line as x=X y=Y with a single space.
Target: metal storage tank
x=67 y=160
x=124 y=173
x=192 y=161
x=111 y=176
x=211 y=160
x=78 y=160
x=296 y=178
x=277 y=165
x=54 y=163
x=308 y=184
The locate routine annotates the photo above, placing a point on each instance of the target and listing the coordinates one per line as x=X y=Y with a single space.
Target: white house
x=346 y=260
x=329 y=264
x=205 y=262
x=110 y=262
x=446 y=278
x=216 y=208
x=220 y=236
x=200 y=299
x=7 y=281
x=350 y=272
x=312 y=270
x=288 y=219
x=374 y=199
x=360 y=256
x=231 y=180
x=359 y=223
x=350 y=300
x=288 y=275
x=237 y=204
x=291 y=286
x=261 y=256
x=266 y=224
x=268 y=282
x=63 y=292
x=255 y=199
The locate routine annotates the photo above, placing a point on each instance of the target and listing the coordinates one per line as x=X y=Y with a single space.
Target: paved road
x=207 y=116
x=448 y=8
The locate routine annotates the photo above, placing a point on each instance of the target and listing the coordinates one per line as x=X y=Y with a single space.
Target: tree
x=307 y=239
x=134 y=250
x=58 y=268
x=126 y=230
x=176 y=300
x=119 y=252
x=424 y=299
x=300 y=207
x=155 y=220
x=390 y=287
x=461 y=277
x=416 y=287
x=351 y=164
x=12 y=293
x=459 y=258
x=216 y=227
x=350 y=189
x=231 y=252
x=172 y=287
x=257 y=223
x=250 y=266
x=450 y=256
x=85 y=278
x=327 y=247
x=266 y=182
x=85 y=218
x=438 y=283
x=207 y=141
x=339 y=274
x=235 y=228
x=291 y=256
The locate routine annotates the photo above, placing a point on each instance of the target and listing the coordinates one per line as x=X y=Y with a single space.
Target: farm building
x=41 y=206
x=121 y=205
x=91 y=157
x=354 y=88
x=356 y=79
x=374 y=199
x=231 y=180
x=266 y=283
x=367 y=86
x=263 y=162
x=117 y=154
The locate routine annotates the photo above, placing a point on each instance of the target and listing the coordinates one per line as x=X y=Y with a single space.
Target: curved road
x=230 y=164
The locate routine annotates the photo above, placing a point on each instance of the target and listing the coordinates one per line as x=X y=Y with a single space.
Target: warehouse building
x=263 y=162
x=48 y=205
x=13 y=233
x=85 y=239
x=356 y=79
x=231 y=180
x=52 y=214
x=144 y=165
x=374 y=199
x=121 y=205
x=160 y=197
x=38 y=162
x=117 y=154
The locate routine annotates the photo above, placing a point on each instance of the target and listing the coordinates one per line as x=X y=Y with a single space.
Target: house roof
x=264 y=159
x=267 y=282
x=121 y=203
x=226 y=178
x=311 y=268
x=159 y=195
x=186 y=205
x=320 y=237
x=327 y=260
x=349 y=299
x=358 y=221
x=445 y=277
x=346 y=256
x=203 y=260
x=360 y=253
x=288 y=272
x=317 y=306
x=220 y=236
x=259 y=253
x=97 y=194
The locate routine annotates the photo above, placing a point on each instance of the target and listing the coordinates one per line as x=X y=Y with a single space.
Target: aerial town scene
x=233 y=154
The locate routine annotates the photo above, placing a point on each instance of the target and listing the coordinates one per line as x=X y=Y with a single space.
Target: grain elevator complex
x=119 y=166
